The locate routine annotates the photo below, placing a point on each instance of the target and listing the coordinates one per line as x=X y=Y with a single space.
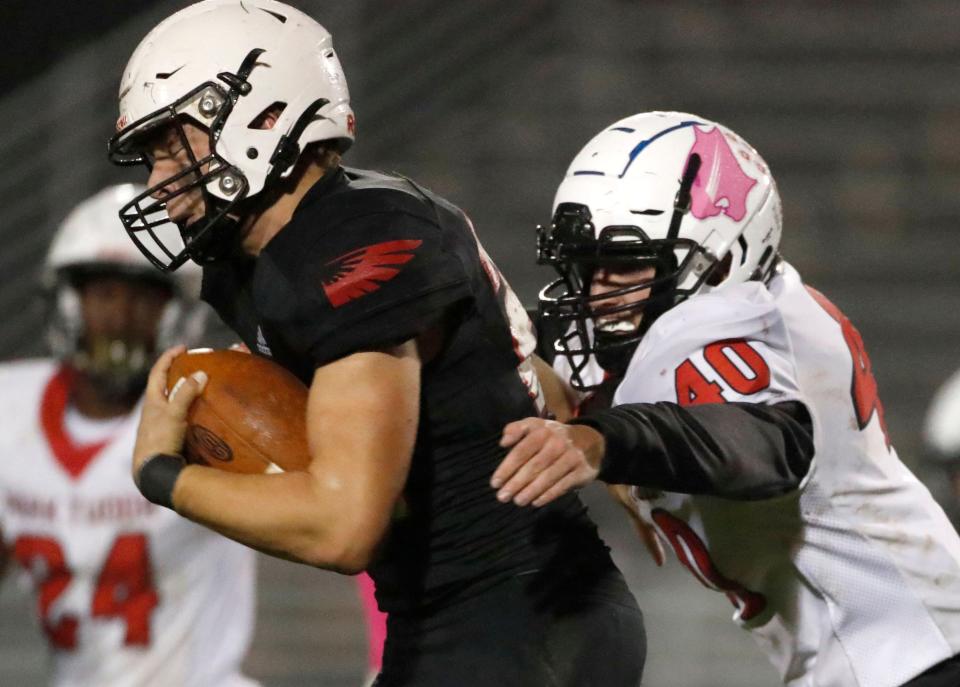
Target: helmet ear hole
x=268 y=117
x=720 y=271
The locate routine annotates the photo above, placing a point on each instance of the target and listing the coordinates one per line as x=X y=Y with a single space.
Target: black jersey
x=370 y=260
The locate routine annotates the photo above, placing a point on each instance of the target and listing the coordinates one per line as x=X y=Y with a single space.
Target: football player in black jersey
x=377 y=294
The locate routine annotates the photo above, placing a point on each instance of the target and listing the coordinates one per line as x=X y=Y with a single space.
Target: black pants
x=944 y=674
x=514 y=636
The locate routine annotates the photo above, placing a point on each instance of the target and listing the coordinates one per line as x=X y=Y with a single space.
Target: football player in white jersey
x=941 y=436
x=741 y=407
x=127 y=593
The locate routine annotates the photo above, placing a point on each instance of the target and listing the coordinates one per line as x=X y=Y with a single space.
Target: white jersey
x=128 y=593
x=854 y=578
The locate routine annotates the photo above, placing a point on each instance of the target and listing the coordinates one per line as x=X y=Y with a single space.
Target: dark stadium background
x=855 y=106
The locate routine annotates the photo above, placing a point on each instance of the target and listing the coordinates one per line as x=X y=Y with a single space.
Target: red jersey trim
x=74 y=458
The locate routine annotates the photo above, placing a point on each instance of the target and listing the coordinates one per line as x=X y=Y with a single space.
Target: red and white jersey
x=128 y=593
x=854 y=578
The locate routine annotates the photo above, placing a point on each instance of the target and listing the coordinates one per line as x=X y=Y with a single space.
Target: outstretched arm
x=735 y=450
x=561 y=398
x=362 y=419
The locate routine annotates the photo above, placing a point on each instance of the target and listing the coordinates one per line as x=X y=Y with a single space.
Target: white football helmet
x=942 y=427
x=224 y=64
x=664 y=189
x=89 y=242
x=941 y=437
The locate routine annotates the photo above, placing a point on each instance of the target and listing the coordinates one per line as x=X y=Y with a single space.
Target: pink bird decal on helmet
x=721 y=186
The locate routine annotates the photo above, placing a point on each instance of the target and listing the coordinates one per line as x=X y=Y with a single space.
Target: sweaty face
x=613 y=314
x=173 y=150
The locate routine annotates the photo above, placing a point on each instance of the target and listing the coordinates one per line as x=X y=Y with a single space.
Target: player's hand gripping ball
x=250 y=417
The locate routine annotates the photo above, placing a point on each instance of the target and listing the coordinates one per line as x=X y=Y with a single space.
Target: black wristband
x=158 y=475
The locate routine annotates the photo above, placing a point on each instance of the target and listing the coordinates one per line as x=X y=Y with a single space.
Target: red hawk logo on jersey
x=361 y=271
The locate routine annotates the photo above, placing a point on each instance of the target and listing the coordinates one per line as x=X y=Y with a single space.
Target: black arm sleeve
x=740 y=451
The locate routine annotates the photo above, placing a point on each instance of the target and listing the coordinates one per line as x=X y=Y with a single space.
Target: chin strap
x=661 y=297
x=288 y=150
x=613 y=353
x=218 y=238
x=222 y=239
x=681 y=204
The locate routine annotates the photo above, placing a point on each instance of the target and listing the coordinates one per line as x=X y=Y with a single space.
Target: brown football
x=251 y=416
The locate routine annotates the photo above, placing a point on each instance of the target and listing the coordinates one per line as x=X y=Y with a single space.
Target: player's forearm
x=290 y=515
x=734 y=450
x=560 y=396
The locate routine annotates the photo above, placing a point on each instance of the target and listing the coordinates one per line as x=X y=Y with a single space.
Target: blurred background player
x=941 y=435
x=744 y=411
x=127 y=593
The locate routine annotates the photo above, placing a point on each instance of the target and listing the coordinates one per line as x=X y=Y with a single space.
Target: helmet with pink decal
x=667 y=190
